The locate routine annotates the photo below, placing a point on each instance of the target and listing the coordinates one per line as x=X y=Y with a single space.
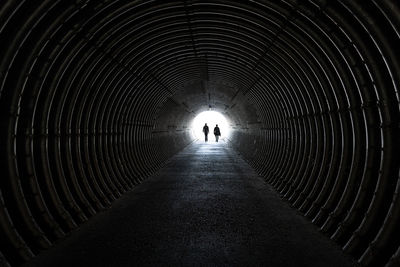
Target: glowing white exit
x=211 y=118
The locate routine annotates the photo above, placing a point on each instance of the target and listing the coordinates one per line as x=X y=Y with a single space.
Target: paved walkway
x=206 y=207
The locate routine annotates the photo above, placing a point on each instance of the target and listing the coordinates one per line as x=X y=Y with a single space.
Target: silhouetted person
x=217 y=133
x=205 y=131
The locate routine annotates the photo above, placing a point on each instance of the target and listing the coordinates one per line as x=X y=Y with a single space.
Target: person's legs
x=206 y=137
x=216 y=138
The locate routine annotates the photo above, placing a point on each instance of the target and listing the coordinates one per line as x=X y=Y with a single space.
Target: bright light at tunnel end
x=212 y=118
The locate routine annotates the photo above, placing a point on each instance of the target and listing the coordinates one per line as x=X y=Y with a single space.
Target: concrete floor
x=206 y=207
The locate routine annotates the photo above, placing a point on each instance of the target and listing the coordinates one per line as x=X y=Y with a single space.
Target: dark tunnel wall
x=97 y=95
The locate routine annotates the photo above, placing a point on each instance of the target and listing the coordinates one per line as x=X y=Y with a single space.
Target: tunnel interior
x=95 y=96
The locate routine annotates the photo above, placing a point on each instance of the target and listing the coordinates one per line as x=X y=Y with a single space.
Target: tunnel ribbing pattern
x=96 y=95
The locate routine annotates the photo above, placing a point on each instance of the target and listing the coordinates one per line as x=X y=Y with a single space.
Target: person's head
x=216 y=125
x=205 y=124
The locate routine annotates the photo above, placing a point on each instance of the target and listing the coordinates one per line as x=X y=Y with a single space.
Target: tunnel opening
x=212 y=118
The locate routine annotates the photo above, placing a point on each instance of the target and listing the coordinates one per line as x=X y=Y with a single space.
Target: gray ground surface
x=207 y=207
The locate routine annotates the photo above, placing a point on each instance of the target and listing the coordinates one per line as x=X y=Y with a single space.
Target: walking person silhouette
x=205 y=131
x=217 y=133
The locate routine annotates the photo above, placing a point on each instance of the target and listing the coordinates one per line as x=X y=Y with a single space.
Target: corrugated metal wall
x=97 y=95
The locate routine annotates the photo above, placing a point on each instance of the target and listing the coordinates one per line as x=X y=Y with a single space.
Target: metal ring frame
x=96 y=95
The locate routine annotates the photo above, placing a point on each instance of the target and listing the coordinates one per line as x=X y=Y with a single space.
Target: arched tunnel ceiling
x=96 y=95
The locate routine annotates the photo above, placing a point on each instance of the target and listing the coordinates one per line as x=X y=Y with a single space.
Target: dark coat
x=205 y=130
x=216 y=131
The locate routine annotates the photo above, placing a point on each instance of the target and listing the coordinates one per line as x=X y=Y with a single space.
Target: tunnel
x=96 y=96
